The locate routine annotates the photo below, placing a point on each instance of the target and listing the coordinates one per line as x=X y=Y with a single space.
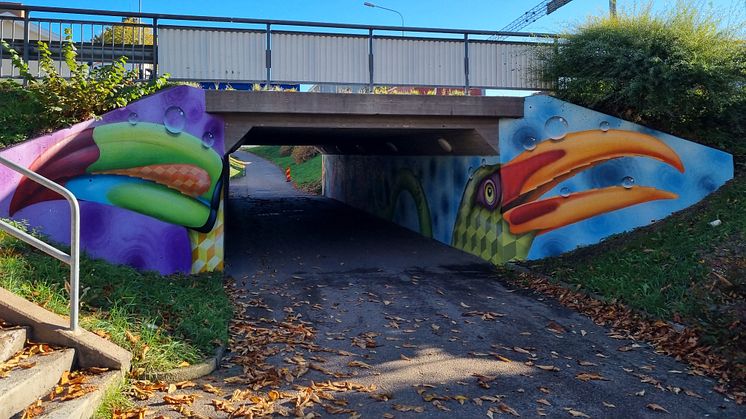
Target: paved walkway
x=431 y=327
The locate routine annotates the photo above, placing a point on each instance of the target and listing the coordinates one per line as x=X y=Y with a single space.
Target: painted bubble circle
x=529 y=143
x=484 y=162
x=565 y=192
x=604 y=126
x=556 y=128
x=174 y=120
x=208 y=139
x=133 y=118
x=445 y=145
x=471 y=172
x=628 y=182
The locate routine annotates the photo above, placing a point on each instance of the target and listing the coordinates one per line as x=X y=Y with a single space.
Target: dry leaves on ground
x=682 y=344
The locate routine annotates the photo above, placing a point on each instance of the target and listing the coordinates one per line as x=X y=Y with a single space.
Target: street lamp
x=369 y=4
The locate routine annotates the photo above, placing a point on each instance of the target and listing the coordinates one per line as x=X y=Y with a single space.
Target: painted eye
x=488 y=193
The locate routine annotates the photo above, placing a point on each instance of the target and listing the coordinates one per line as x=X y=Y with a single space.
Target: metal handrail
x=73 y=259
x=273 y=22
x=148 y=61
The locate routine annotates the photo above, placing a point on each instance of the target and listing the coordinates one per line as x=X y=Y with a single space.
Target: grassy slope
x=163 y=321
x=306 y=175
x=681 y=269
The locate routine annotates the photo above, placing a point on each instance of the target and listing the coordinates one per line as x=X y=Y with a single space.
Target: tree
x=126 y=33
x=683 y=71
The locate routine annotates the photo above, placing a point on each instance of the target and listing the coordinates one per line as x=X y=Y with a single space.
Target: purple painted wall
x=149 y=177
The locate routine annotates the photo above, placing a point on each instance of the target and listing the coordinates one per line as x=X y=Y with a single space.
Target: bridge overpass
x=365 y=124
x=501 y=178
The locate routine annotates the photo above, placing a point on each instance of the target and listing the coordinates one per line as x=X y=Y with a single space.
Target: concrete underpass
x=352 y=275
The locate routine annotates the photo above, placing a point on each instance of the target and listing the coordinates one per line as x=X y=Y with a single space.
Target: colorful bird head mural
x=502 y=211
x=142 y=168
x=149 y=178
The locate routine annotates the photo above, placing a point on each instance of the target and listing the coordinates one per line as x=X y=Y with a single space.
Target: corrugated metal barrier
x=236 y=50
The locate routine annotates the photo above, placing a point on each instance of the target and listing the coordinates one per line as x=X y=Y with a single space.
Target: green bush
x=21 y=113
x=50 y=101
x=681 y=71
x=286 y=150
x=303 y=153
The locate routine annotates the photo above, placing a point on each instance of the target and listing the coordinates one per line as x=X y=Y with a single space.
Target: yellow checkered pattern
x=207 y=248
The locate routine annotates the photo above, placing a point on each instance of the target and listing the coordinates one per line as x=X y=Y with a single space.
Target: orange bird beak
x=533 y=173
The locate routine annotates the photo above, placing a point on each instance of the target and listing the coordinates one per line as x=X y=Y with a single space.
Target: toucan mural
x=566 y=176
x=149 y=178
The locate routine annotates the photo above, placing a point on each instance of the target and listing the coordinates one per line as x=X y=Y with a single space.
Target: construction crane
x=544 y=8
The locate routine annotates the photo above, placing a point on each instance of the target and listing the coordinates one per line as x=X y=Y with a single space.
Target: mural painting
x=149 y=177
x=566 y=177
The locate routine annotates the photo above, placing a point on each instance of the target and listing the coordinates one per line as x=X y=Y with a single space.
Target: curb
x=188 y=373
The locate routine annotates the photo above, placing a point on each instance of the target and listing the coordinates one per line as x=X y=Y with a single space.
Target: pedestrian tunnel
x=500 y=177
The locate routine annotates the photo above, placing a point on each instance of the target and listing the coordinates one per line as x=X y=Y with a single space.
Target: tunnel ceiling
x=365 y=124
x=376 y=141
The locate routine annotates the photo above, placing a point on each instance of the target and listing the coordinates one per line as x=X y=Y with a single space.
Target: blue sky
x=465 y=14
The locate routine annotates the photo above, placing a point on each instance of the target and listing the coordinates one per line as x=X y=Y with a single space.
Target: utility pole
x=612 y=8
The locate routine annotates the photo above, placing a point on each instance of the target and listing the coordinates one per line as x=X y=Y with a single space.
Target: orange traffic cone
x=287 y=174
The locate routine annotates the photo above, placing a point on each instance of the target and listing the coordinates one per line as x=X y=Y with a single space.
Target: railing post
x=466 y=63
x=26 y=52
x=74 y=263
x=73 y=259
x=268 y=55
x=370 y=60
x=154 y=73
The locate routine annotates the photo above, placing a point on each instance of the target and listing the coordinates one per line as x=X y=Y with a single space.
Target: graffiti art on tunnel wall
x=149 y=177
x=566 y=177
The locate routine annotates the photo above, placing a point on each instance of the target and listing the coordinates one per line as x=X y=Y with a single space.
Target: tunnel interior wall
x=605 y=176
x=148 y=177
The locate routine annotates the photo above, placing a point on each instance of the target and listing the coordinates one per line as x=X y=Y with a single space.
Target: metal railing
x=462 y=56
x=72 y=259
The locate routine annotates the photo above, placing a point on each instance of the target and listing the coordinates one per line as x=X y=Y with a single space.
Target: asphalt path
x=436 y=330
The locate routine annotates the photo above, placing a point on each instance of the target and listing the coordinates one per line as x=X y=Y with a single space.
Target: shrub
x=304 y=153
x=57 y=101
x=680 y=71
x=21 y=114
x=286 y=150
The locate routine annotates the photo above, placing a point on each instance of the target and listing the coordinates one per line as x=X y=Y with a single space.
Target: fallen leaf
x=691 y=393
x=209 y=388
x=180 y=399
x=544 y=402
x=407 y=408
x=577 y=413
x=548 y=368
x=609 y=405
x=588 y=376
x=656 y=408
x=556 y=328
x=359 y=364
x=507 y=409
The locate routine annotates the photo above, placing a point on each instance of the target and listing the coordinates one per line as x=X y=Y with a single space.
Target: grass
x=163 y=320
x=306 y=176
x=114 y=398
x=680 y=269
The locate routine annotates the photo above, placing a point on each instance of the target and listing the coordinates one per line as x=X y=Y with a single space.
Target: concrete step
x=24 y=386
x=11 y=342
x=82 y=407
